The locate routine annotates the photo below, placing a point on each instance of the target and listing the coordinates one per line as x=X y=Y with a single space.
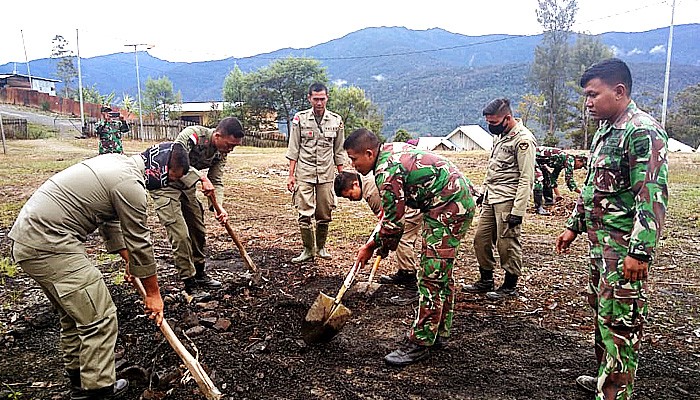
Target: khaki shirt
x=203 y=155
x=106 y=192
x=317 y=148
x=511 y=169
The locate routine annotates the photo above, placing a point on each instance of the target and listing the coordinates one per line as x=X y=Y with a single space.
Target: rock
x=195 y=331
x=222 y=324
x=189 y=319
x=208 y=322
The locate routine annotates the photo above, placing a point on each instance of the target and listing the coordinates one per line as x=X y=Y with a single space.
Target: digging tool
x=369 y=287
x=200 y=376
x=327 y=315
x=244 y=254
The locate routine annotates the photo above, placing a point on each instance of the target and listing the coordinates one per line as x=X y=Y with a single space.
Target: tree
x=355 y=108
x=159 y=97
x=684 y=123
x=65 y=69
x=531 y=105
x=92 y=95
x=402 y=135
x=548 y=69
x=129 y=103
x=236 y=92
x=282 y=87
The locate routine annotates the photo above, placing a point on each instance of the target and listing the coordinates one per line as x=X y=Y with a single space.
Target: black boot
x=483 y=285
x=407 y=355
x=109 y=392
x=192 y=288
x=401 y=277
x=587 y=383
x=538 y=203
x=73 y=376
x=507 y=289
x=203 y=279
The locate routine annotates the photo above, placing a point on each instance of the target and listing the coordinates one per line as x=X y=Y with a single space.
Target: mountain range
x=425 y=81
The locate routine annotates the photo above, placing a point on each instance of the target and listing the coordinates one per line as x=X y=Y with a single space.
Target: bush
x=35 y=131
x=45 y=106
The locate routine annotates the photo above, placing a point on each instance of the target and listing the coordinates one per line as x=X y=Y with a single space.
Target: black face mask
x=498 y=129
x=156 y=159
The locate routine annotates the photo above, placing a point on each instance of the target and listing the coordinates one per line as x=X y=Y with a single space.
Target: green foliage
x=684 y=123
x=35 y=131
x=65 y=69
x=355 y=108
x=8 y=269
x=402 y=135
x=128 y=103
x=531 y=105
x=92 y=95
x=236 y=90
x=45 y=106
x=160 y=98
x=14 y=394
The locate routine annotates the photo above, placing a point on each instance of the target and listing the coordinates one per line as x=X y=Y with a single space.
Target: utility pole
x=80 y=87
x=138 y=84
x=668 y=67
x=31 y=86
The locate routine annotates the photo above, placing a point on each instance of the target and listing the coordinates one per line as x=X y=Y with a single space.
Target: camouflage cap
x=105 y=109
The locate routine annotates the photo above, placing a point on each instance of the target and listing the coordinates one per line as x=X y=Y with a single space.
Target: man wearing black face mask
x=107 y=192
x=509 y=181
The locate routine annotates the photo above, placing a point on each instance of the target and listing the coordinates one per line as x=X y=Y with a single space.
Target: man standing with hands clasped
x=622 y=207
x=315 y=152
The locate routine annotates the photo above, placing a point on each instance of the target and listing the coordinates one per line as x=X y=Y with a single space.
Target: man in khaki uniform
x=106 y=192
x=508 y=184
x=179 y=209
x=354 y=186
x=315 y=151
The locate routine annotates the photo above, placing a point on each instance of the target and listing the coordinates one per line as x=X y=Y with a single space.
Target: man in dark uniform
x=550 y=161
x=109 y=131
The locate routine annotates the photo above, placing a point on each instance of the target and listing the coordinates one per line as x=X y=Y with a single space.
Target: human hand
x=222 y=217
x=153 y=305
x=364 y=254
x=480 y=199
x=207 y=187
x=564 y=240
x=558 y=199
x=291 y=182
x=635 y=270
x=514 y=220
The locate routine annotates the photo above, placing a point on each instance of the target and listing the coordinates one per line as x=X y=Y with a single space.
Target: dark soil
x=531 y=347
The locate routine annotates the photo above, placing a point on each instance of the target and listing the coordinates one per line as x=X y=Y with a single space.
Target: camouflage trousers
x=110 y=143
x=620 y=309
x=543 y=182
x=444 y=226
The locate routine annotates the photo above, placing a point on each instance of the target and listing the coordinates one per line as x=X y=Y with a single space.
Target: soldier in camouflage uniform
x=621 y=208
x=105 y=193
x=408 y=177
x=315 y=152
x=109 y=131
x=181 y=212
x=508 y=184
x=549 y=162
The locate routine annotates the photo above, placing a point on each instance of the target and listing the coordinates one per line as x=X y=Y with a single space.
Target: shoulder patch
x=523 y=145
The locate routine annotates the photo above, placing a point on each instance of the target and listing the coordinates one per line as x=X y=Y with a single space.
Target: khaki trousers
x=315 y=200
x=182 y=214
x=86 y=311
x=411 y=241
x=493 y=231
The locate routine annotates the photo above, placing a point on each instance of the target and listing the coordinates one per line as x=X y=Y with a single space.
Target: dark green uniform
x=110 y=135
x=622 y=209
x=425 y=181
x=550 y=161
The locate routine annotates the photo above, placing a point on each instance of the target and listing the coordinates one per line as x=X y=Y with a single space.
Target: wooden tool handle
x=244 y=254
x=374 y=269
x=200 y=376
x=349 y=278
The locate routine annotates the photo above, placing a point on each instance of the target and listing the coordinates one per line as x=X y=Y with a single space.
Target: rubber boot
x=109 y=392
x=507 y=289
x=204 y=280
x=192 y=288
x=538 y=203
x=73 y=376
x=321 y=235
x=483 y=285
x=307 y=237
x=401 y=277
x=548 y=195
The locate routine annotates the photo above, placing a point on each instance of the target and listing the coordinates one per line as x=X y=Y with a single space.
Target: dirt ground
x=248 y=337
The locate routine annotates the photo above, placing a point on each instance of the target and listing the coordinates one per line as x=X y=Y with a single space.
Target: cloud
x=659 y=48
x=378 y=78
x=634 y=52
x=340 y=82
x=616 y=51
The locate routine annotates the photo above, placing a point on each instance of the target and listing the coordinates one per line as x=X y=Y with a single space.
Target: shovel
x=369 y=287
x=244 y=254
x=327 y=315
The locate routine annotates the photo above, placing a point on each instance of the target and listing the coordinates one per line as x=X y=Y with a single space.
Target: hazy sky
x=212 y=30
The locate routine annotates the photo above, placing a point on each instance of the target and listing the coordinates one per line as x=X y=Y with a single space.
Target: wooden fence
x=265 y=139
x=15 y=128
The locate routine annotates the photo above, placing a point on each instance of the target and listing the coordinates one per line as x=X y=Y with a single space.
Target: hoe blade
x=323 y=321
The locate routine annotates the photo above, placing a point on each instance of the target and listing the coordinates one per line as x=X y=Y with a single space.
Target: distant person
x=425 y=181
x=315 y=152
x=549 y=162
x=181 y=212
x=508 y=184
x=355 y=187
x=107 y=193
x=109 y=131
x=622 y=208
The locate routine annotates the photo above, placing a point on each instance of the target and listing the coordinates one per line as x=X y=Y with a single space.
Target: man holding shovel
x=354 y=187
x=181 y=212
x=106 y=192
x=406 y=176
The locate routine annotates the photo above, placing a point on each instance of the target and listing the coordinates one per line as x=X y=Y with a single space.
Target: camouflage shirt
x=408 y=177
x=556 y=160
x=203 y=155
x=622 y=205
x=110 y=135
